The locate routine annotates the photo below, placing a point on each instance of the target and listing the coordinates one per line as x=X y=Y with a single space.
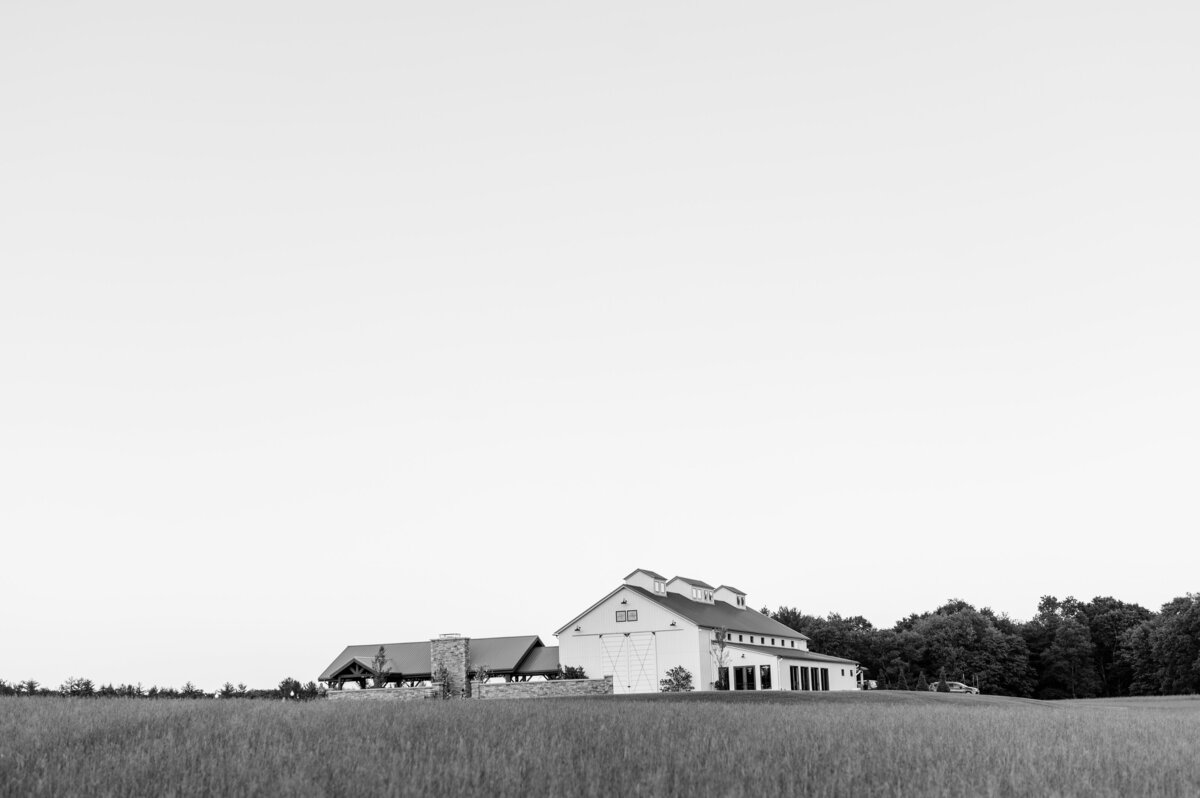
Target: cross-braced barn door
x=632 y=659
x=643 y=663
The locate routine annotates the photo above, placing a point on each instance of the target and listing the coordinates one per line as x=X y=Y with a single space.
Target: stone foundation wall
x=387 y=693
x=552 y=689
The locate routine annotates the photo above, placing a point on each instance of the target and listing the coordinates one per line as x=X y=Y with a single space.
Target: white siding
x=642 y=579
x=672 y=645
x=729 y=597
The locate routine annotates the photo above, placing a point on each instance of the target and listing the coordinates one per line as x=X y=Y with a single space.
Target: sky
x=327 y=324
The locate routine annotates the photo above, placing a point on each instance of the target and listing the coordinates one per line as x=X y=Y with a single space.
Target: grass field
x=830 y=744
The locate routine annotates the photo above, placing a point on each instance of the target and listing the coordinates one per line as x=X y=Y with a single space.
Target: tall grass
x=761 y=745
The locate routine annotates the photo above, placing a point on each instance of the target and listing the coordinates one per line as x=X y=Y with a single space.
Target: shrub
x=441 y=676
x=679 y=680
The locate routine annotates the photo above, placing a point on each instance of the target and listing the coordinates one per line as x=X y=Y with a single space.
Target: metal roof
x=696 y=582
x=731 y=589
x=501 y=655
x=541 y=660
x=720 y=614
x=791 y=653
x=647 y=572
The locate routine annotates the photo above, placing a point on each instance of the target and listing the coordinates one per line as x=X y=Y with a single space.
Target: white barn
x=651 y=624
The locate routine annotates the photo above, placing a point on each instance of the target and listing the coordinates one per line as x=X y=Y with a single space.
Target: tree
x=678 y=680
x=227 y=690
x=77 y=688
x=943 y=686
x=289 y=688
x=571 y=672
x=380 y=666
x=1108 y=620
x=441 y=678
x=482 y=673
x=1067 y=665
x=720 y=658
x=1163 y=652
x=29 y=687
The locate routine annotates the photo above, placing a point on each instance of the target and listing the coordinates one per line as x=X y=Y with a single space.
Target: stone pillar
x=452 y=651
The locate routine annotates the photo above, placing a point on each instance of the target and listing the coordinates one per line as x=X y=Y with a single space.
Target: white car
x=956 y=687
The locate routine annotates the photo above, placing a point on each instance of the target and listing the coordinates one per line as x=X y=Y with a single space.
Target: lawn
x=830 y=744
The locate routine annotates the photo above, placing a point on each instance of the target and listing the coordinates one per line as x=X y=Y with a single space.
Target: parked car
x=956 y=687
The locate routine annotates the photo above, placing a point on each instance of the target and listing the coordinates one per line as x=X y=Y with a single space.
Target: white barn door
x=632 y=659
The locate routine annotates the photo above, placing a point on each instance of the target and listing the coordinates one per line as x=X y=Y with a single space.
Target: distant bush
x=679 y=680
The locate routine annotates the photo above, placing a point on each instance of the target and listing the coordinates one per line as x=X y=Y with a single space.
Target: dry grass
x=882 y=744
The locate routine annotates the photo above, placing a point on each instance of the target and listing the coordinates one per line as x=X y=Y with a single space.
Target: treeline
x=1070 y=649
x=73 y=687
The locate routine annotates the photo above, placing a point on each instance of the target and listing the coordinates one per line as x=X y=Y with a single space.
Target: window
x=631 y=615
x=695 y=592
x=824 y=678
x=794 y=672
x=660 y=587
x=772 y=641
x=743 y=677
x=621 y=616
x=764 y=680
x=793 y=644
x=739 y=638
x=804 y=679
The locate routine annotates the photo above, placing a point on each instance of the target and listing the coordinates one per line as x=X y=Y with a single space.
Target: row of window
x=697 y=593
x=624 y=616
x=802 y=678
x=762 y=641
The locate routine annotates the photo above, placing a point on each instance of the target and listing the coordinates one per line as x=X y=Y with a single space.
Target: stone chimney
x=452 y=651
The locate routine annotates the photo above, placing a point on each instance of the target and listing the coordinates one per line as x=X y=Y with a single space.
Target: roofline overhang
x=645 y=571
x=633 y=588
x=791 y=654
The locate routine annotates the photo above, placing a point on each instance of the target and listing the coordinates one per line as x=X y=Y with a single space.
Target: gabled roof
x=501 y=655
x=719 y=614
x=541 y=660
x=403 y=658
x=696 y=582
x=647 y=572
x=791 y=653
x=731 y=589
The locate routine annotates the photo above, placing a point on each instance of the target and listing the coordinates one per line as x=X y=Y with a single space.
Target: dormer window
x=660 y=586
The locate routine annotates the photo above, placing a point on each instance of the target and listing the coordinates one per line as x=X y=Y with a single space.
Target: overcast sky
x=362 y=322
